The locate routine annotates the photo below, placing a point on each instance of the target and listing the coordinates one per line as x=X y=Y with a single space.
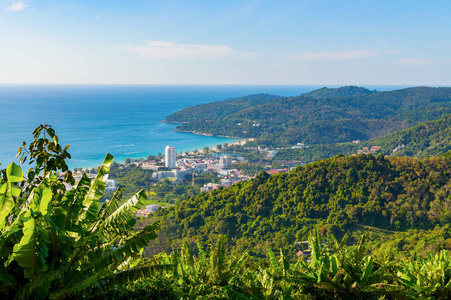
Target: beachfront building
x=170 y=157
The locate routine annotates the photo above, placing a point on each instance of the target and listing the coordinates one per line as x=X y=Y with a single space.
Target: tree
x=54 y=242
x=127 y=161
x=219 y=146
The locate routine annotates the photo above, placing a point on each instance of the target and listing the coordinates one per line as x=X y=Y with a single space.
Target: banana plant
x=55 y=243
x=281 y=280
x=347 y=273
x=427 y=278
x=208 y=273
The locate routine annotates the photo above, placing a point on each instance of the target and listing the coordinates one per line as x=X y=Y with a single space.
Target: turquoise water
x=124 y=120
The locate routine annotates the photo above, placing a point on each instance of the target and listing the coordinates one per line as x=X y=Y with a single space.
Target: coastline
x=213 y=135
x=241 y=141
x=174 y=122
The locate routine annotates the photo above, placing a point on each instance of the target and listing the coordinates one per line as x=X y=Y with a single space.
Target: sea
x=123 y=120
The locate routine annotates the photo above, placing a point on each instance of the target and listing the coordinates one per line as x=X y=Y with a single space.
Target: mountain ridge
x=328 y=120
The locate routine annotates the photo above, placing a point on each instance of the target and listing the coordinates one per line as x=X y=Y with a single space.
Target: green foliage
x=428 y=277
x=144 y=289
x=131 y=178
x=318 y=152
x=322 y=117
x=210 y=274
x=346 y=272
x=423 y=140
x=54 y=242
x=335 y=195
x=219 y=109
x=344 y=91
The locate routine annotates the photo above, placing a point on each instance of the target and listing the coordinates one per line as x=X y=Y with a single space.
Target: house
x=226 y=182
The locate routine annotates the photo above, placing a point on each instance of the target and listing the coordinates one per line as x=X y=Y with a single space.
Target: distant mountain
x=362 y=115
x=219 y=109
x=344 y=91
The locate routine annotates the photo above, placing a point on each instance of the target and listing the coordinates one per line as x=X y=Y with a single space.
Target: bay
x=123 y=120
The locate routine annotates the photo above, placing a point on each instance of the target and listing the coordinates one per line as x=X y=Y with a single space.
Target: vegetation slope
x=432 y=138
x=219 y=109
x=350 y=113
x=334 y=194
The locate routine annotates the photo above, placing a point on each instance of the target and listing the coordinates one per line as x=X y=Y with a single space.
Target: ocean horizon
x=123 y=120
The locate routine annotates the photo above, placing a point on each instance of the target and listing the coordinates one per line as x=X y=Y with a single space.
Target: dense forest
x=324 y=116
x=423 y=140
x=333 y=195
x=391 y=217
x=219 y=109
x=339 y=92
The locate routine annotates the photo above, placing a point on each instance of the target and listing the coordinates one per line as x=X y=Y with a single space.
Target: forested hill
x=333 y=194
x=219 y=109
x=330 y=120
x=423 y=140
x=344 y=91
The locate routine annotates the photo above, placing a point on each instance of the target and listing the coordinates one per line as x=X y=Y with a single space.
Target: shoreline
x=213 y=135
x=241 y=141
x=174 y=122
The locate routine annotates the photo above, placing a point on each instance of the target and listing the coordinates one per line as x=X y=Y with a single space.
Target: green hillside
x=333 y=194
x=219 y=109
x=344 y=91
x=423 y=140
x=323 y=120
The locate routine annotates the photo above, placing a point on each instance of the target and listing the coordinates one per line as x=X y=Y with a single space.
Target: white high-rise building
x=170 y=157
x=226 y=161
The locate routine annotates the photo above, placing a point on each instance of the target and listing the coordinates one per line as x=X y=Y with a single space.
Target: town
x=189 y=173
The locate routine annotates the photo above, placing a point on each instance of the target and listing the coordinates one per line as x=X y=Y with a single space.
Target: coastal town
x=190 y=165
x=225 y=165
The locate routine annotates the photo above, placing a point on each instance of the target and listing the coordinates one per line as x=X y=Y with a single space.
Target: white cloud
x=414 y=61
x=308 y=56
x=170 y=50
x=18 y=6
x=165 y=49
x=248 y=54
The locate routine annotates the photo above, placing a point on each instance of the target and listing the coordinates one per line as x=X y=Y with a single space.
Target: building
x=111 y=185
x=226 y=161
x=174 y=173
x=152 y=208
x=226 y=182
x=199 y=166
x=170 y=157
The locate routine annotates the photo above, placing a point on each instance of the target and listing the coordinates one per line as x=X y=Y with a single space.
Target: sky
x=308 y=42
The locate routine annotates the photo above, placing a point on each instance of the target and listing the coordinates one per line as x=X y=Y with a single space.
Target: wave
x=133 y=152
x=80 y=160
x=115 y=146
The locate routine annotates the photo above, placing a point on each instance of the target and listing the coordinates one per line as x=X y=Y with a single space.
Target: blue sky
x=226 y=42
